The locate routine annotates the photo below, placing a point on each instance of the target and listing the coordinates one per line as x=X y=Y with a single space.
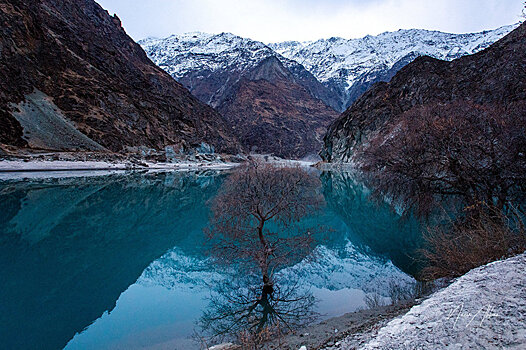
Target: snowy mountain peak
x=328 y=58
x=190 y=52
x=337 y=58
x=347 y=67
x=351 y=66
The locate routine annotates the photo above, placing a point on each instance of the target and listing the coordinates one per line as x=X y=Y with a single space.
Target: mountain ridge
x=339 y=64
x=346 y=65
x=495 y=75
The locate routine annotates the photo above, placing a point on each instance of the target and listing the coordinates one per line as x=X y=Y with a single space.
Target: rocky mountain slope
x=497 y=75
x=270 y=112
x=207 y=64
x=272 y=104
x=350 y=67
x=71 y=79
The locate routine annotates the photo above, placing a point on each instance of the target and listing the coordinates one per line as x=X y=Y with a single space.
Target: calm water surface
x=117 y=261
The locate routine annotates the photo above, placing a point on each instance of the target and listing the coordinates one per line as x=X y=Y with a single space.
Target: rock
x=225 y=346
x=171 y=155
x=205 y=148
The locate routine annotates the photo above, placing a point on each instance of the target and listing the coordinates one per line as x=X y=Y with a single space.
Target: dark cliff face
x=69 y=66
x=270 y=112
x=496 y=75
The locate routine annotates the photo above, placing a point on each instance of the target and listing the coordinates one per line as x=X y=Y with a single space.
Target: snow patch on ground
x=484 y=309
x=36 y=169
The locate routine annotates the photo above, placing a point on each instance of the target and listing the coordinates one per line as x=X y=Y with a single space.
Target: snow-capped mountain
x=208 y=64
x=493 y=77
x=346 y=67
x=273 y=104
x=351 y=66
x=281 y=91
x=186 y=53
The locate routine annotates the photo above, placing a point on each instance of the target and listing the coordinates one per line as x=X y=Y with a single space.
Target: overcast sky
x=280 y=20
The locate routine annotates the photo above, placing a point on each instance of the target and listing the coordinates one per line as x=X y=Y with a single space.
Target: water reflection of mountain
x=70 y=247
x=376 y=227
x=332 y=269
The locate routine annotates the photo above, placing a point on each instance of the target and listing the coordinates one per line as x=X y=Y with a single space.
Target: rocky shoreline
x=485 y=308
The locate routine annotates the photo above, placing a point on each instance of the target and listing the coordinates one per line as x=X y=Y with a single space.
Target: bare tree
x=456 y=247
x=454 y=152
x=256 y=228
x=466 y=158
x=256 y=216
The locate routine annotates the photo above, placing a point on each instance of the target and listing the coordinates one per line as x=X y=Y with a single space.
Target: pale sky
x=280 y=20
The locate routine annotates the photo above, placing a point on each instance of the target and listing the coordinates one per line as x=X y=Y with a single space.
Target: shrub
x=484 y=234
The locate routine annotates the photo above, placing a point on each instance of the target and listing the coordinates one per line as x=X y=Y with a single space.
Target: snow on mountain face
x=208 y=64
x=347 y=67
x=332 y=58
x=180 y=54
x=264 y=97
x=342 y=63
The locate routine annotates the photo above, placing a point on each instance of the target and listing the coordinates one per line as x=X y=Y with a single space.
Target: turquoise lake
x=117 y=261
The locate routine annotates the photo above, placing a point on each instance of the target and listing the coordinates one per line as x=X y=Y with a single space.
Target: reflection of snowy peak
x=176 y=270
x=332 y=270
x=350 y=268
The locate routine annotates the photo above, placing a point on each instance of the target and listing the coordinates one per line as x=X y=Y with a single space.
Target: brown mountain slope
x=70 y=78
x=270 y=112
x=496 y=75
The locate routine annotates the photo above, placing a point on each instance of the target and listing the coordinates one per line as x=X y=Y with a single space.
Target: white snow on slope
x=334 y=61
x=345 y=60
x=195 y=52
x=484 y=309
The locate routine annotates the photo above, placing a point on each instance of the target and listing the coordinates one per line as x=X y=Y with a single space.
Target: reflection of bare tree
x=255 y=229
x=252 y=313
